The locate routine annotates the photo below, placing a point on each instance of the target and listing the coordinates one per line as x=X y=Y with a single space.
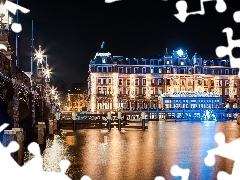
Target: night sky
x=72 y=31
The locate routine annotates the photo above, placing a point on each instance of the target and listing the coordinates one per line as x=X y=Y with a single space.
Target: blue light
x=180 y=52
x=208 y=116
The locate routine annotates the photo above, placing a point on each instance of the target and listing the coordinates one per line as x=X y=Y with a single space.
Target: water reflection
x=141 y=155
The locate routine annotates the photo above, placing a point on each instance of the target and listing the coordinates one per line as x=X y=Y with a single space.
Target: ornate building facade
x=132 y=84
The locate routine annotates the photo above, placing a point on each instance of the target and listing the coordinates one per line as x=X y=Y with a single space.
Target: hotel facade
x=137 y=84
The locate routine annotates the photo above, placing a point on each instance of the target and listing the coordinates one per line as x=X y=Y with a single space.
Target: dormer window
x=151 y=70
x=160 y=70
x=104 y=60
x=182 y=62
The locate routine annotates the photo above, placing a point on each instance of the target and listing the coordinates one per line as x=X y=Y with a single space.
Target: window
x=182 y=62
x=212 y=71
x=234 y=72
x=136 y=70
x=190 y=71
x=128 y=70
x=109 y=69
x=151 y=70
x=199 y=82
x=152 y=90
x=153 y=82
x=226 y=82
x=120 y=70
x=136 y=91
x=212 y=82
x=99 y=81
x=120 y=82
x=128 y=82
x=205 y=82
x=160 y=70
x=136 y=81
x=128 y=91
x=183 y=82
x=190 y=83
x=144 y=91
x=104 y=81
x=160 y=91
x=175 y=70
x=104 y=90
x=227 y=92
x=174 y=82
x=220 y=82
x=109 y=81
x=144 y=82
x=143 y=70
x=227 y=71
x=159 y=82
x=168 y=70
x=99 y=90
x=120 y=90
x=104 y=69
x=168 y=82
x=99 y=69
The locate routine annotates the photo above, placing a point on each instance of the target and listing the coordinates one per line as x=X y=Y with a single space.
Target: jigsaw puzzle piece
x=3 y=126
x=182 y=11
x=222 y=51
x=35 y=165
x=177 y=171
x=85 y=177
x=12 y=7
x=182 y=6
x=236 y=16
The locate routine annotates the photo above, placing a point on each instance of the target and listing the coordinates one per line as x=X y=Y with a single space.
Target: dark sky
x=72 y=31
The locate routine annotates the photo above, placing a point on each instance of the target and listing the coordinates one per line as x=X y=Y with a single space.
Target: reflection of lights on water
x=53 y=154
x=208 y=116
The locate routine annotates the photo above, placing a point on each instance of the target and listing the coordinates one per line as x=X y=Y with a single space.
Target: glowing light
x=208 y=116
x=2 y=46
x=180 y=52
x=93 y=92
x=148 y=86
x=16 y=27
x=132 y=85
x=190 y=94
x=115 y=90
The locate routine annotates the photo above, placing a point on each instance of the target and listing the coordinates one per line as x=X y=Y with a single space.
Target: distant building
x=132 y=84
x=77 y=97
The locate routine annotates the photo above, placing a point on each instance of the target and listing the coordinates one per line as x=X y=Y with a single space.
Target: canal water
x=140 y=155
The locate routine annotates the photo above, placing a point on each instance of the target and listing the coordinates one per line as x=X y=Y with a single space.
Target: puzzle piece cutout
x=183 y=14
x=12 y=7
x=32 y=169
x=177 y=171
x=111 y=1
x=227 y=150
x=222 y=51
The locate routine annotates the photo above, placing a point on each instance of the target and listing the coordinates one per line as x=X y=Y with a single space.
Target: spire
x=166 y=51
x=102 y=45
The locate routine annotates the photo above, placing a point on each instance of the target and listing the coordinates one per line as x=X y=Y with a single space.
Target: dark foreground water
x=141 y=155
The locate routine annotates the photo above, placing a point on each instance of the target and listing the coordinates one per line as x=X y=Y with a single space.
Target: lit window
x=160 y=70
x=144 y=82
x=151 y=70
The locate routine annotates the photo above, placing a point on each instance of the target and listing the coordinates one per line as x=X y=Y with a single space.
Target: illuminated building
x=77 y=97
x=136 y=84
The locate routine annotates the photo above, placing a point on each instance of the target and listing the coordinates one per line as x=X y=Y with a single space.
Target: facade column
x=93 y=99
x=115 y=91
